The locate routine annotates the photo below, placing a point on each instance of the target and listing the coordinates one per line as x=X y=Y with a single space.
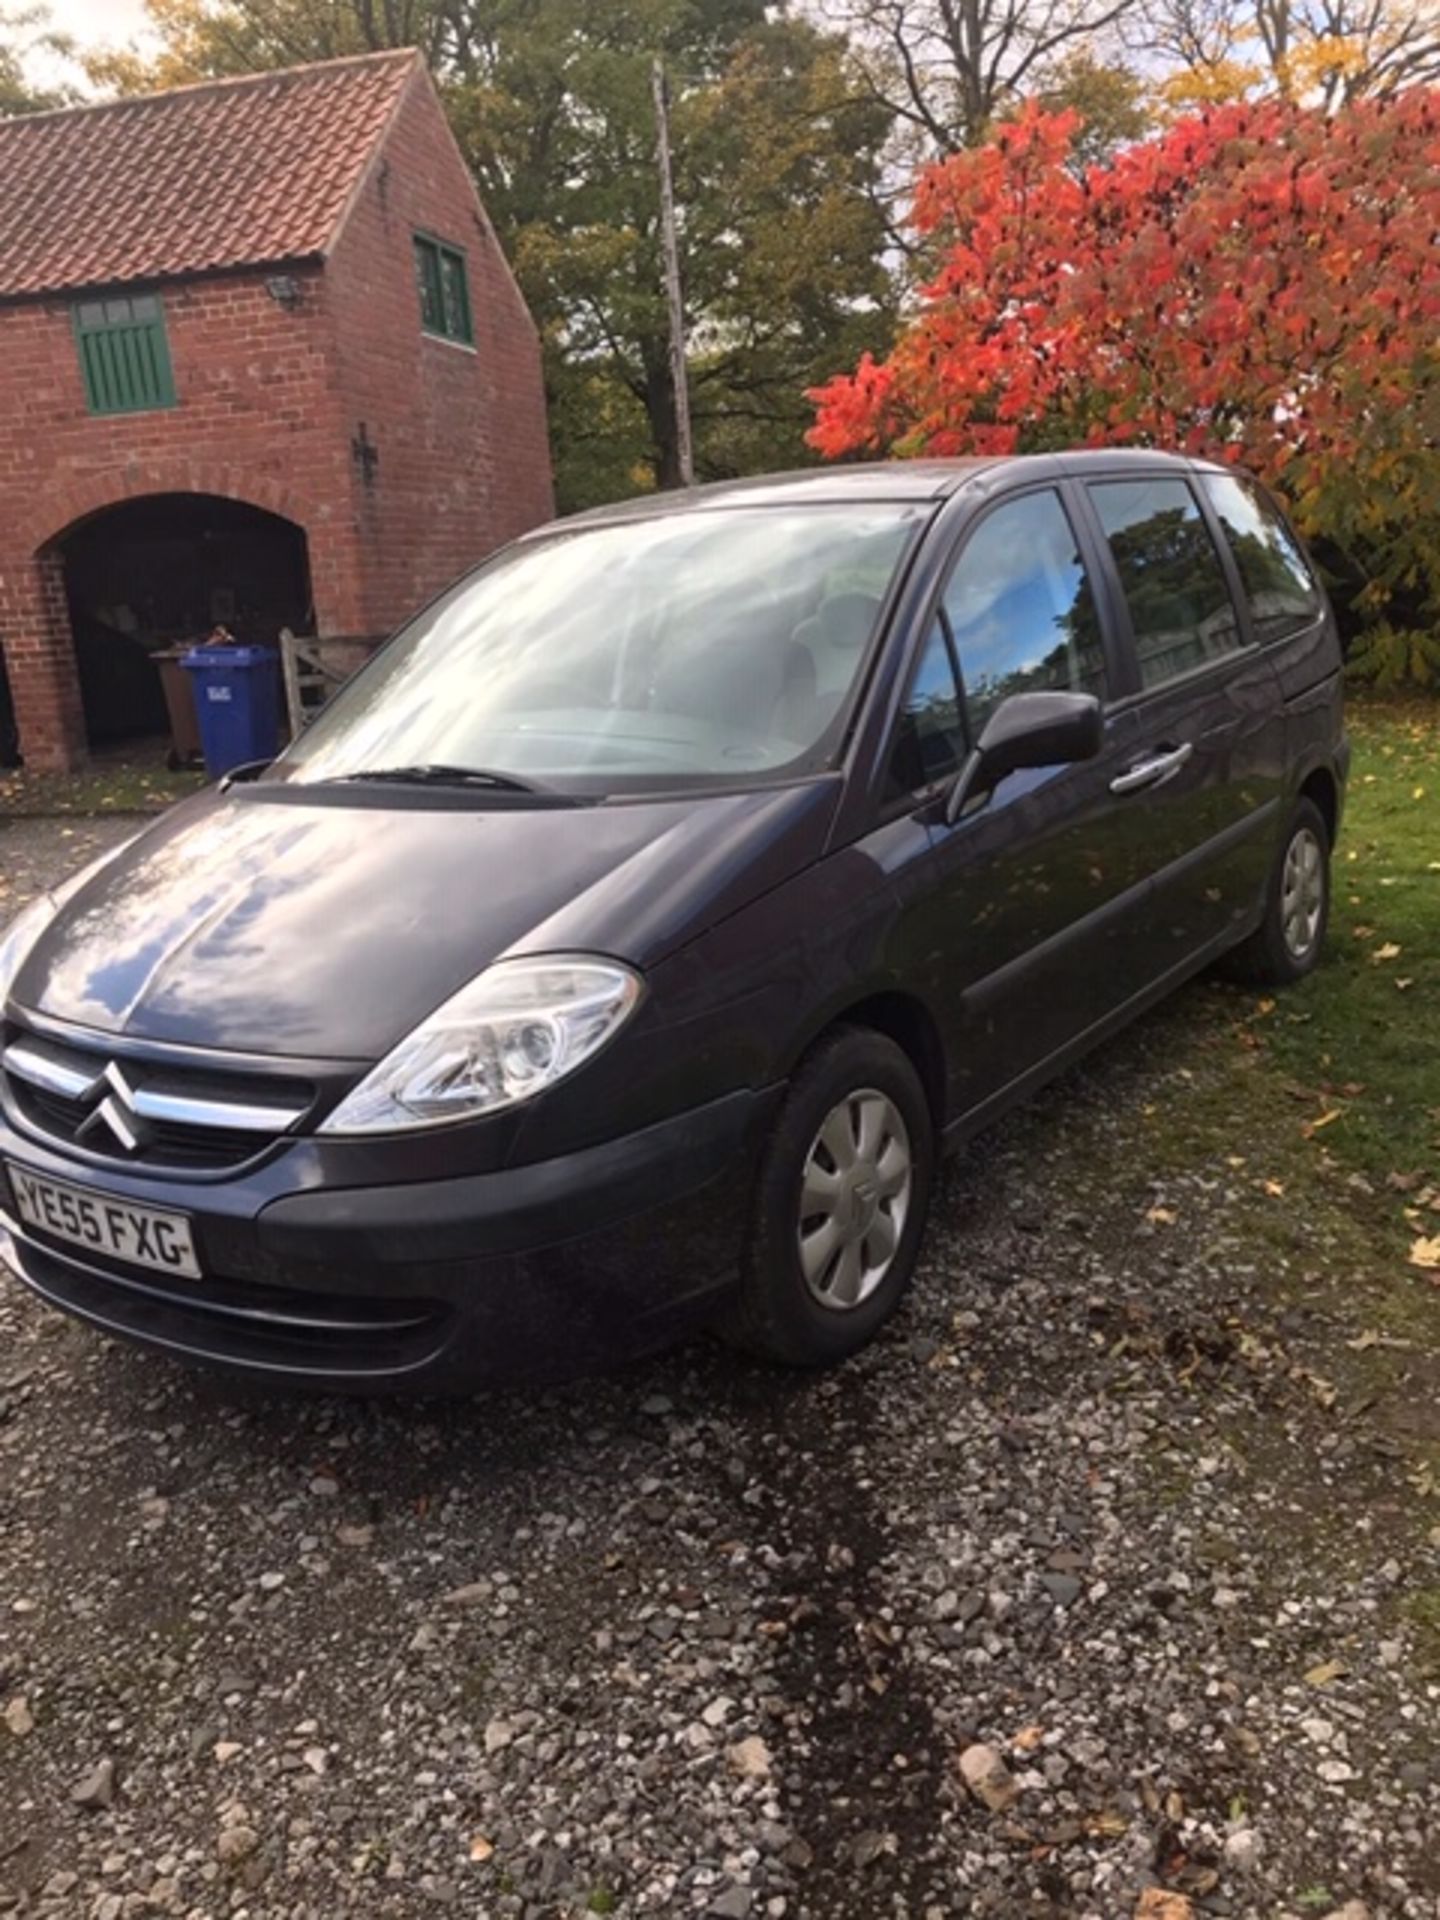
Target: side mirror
x=1029 y=730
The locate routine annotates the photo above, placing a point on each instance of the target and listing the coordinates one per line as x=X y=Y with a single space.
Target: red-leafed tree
x=1260 y=283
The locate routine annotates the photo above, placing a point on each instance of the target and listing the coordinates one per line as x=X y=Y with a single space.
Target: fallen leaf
x=1325 y=1391
x=1388 y=952
x=1326 y=1674
x=1403 y=1182
x=1404 y=985
x=1275 y=1188
x=1108 y=1824
x=1028 y=1739
x=1312 y=1127
x=1426 y=1253
x=1158 y=1903
x=1161 y=1216
x=481 y=1848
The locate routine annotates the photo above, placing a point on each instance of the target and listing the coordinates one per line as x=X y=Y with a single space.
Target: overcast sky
x=89 y=23
x=97 y=20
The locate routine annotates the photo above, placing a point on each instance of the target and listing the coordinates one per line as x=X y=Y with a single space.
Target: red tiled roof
x=232 y=173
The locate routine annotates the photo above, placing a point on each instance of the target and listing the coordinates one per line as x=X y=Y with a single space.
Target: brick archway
x=35 y=630
x=63 y=510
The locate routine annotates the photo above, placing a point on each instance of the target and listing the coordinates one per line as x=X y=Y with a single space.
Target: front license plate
x=144 y=1236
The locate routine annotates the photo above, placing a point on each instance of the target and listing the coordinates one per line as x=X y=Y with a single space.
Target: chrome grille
x=145 y=1113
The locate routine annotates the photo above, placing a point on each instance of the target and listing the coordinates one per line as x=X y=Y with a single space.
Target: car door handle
x=1149 y=773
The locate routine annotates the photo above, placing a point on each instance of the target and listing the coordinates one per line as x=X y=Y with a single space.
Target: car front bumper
x=526 y=1274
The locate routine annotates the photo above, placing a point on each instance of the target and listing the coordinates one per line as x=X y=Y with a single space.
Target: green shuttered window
x=444 y=292
x=124 y=355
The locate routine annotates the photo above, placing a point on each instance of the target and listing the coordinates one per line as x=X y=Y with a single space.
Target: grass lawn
x=1316 y=1111
x=1326 y=1096
x=1364 y=1032
x=1335 y=1084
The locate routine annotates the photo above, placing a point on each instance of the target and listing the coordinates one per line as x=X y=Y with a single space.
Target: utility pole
x=680 y=378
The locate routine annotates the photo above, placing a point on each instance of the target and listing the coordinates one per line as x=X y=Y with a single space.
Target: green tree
x=776 y=144
x=781 y=245
x=1110 y=100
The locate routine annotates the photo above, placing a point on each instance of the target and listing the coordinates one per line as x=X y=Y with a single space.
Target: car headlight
x=518 y=1028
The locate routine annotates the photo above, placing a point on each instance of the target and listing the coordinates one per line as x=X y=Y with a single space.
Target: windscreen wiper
x=435 y=774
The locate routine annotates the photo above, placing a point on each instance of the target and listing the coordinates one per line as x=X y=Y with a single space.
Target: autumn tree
x=1260 y=284
x=1330 y=52
x=776 y=154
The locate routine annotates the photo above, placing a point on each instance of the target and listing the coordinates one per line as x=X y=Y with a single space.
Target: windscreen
x=708 y=645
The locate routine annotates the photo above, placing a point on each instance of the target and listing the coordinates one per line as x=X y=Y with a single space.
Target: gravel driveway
x=703 y=1638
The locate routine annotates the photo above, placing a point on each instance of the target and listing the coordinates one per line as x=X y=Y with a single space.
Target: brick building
x=262 y=362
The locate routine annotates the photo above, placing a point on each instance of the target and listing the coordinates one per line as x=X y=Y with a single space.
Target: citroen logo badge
x=115 y=1112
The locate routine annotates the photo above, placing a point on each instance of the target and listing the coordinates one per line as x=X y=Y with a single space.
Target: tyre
x=1288 y=942
x=840 y=1204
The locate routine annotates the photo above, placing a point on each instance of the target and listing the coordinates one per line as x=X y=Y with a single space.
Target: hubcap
x=1302 y=893
x=853 y=1199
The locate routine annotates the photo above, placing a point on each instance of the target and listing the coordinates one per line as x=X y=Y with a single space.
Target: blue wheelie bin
x=236 y=701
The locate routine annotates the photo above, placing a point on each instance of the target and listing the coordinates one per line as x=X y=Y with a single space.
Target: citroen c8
x=616 y=952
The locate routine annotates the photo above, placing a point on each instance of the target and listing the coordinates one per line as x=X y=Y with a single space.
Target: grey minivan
x=619 y=949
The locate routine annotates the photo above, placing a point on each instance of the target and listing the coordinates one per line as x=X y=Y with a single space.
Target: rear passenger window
x=1020 y=608
x=1175 y=587
x=930 y=741
x=1278 y=583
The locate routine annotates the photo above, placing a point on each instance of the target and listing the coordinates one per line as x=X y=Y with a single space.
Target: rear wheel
x=840 y=1203
x=1288 y=942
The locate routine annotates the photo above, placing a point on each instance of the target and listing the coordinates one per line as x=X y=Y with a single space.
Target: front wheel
x=840 y=1203
x=1287 y=944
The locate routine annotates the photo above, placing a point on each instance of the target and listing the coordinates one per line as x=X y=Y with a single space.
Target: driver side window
x=1021 y=610
x=930 y=739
